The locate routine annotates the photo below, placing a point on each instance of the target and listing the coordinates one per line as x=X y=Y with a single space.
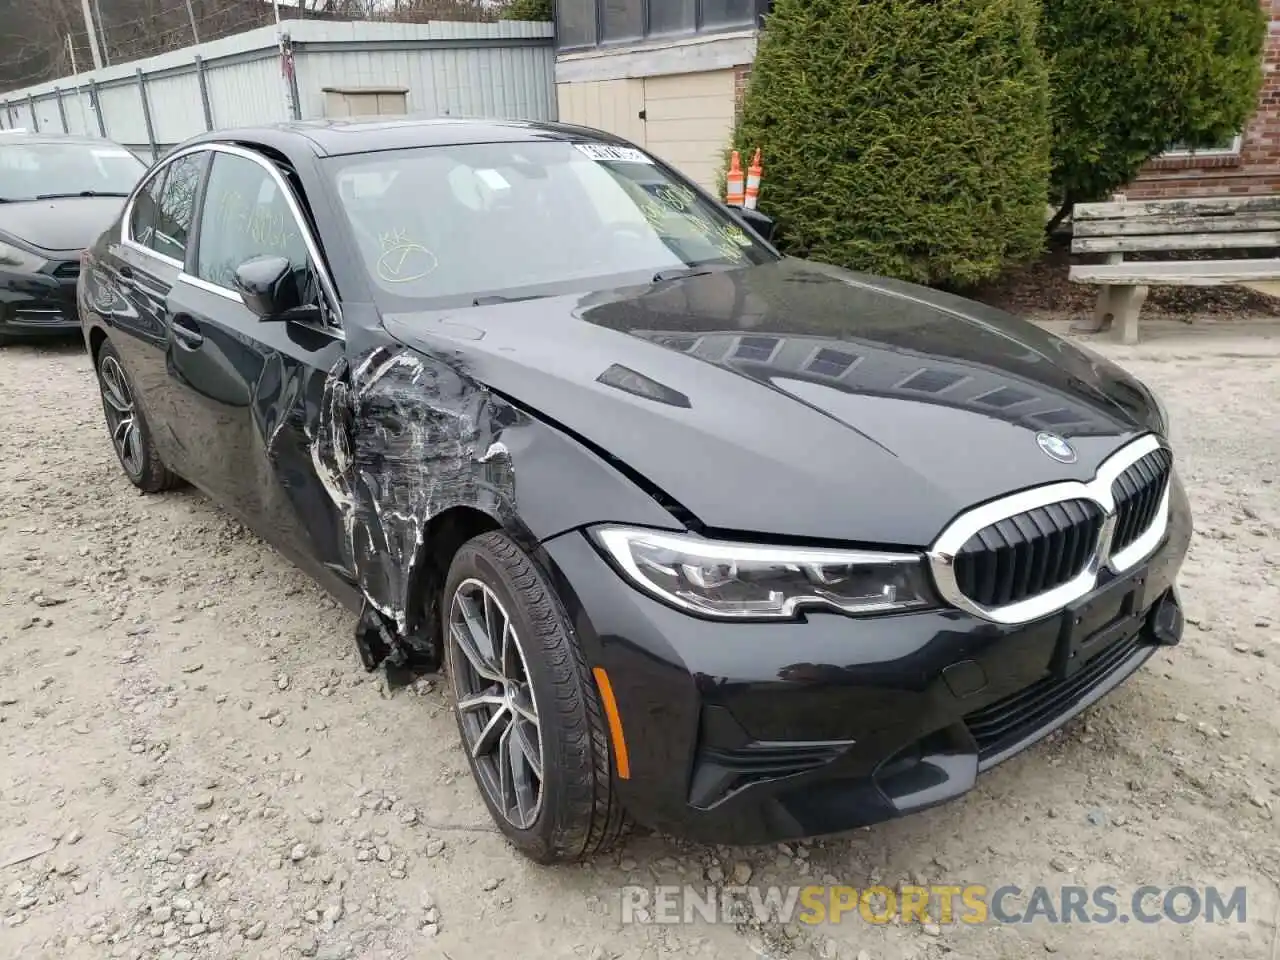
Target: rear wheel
x=127 y=427
x=527 y=708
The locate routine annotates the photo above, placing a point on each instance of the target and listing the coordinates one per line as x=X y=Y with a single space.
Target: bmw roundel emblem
x=1056 y=448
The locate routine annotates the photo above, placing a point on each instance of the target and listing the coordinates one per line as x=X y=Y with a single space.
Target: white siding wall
x=689 y=121
x=610 y=105
x=688 y=118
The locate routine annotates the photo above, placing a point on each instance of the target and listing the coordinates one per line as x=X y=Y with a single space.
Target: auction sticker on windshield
x=602 y=152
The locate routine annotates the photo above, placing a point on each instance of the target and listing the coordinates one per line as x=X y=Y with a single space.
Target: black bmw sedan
x=740 y=546
x=57 y=194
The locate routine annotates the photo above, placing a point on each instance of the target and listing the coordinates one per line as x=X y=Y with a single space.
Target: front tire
x=528 y=711
x=127 y=426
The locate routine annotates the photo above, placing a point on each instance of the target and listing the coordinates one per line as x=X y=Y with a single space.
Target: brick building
x=669 y=75
x=1245 y=165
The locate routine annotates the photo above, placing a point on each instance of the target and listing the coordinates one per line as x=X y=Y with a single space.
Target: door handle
x=187 y=332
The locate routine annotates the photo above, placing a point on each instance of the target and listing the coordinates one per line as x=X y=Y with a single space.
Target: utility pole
x=195 y=36
x=92 y=32
x=75 y=72
x=102 y=33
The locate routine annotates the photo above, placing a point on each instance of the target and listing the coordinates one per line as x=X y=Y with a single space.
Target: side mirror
x=268 y=285
x=757 y=221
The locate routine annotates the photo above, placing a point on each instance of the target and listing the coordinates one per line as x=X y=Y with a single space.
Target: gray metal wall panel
x=47 y=114
x=513 y=82
x=79 y=112
x=122 y=110
x=244 y=94
x=175 y=106
x=503 y=69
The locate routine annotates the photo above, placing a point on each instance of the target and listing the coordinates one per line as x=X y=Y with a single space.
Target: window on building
x=758 y=349
x=622 y=19
x=724 y=13
x=830 y=363
x=1227 y=146
x=575 y=23
x=672 y=16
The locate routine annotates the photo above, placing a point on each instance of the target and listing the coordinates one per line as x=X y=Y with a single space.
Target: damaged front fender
x=403 y=438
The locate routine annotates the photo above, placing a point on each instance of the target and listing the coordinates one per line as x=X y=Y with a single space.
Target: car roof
x=372 y=134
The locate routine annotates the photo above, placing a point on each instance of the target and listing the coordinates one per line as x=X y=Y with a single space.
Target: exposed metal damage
x=400 y=440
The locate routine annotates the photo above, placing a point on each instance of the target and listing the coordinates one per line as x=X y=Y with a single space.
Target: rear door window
x=142 y=218
x=176 y=208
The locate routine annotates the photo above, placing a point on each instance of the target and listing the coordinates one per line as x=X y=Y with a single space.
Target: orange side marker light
x=620 y=758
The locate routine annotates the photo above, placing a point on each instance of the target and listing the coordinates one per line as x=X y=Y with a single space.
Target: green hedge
x=1132 y=78
x=903 y=137
x=527 y=10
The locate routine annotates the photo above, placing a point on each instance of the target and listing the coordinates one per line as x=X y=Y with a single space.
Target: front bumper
x=758 y=732
x=39 y=304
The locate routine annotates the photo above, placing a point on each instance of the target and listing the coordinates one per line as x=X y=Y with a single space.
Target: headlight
x=740 y=581
x=11 y=256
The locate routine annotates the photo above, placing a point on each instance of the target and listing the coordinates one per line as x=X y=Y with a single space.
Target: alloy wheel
x=122 y=417
x=495 y=703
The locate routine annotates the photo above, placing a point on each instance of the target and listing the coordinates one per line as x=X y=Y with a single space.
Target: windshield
x=453 y=225
x=30 y=170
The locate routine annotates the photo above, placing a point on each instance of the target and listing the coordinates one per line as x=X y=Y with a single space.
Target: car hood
x=798 y=400
x=62 y=225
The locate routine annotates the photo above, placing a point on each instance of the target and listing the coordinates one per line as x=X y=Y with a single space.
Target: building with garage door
x=665 y=74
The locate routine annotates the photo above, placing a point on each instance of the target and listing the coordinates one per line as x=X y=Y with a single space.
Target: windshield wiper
x=82 y=193
x=495 y=298
x=681 y=273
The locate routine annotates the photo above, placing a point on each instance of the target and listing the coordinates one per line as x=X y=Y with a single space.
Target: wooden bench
x=1151 y=226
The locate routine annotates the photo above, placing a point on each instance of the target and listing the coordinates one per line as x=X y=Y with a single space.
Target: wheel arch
x=418 y=457
x=97 y=337
x=442 y=536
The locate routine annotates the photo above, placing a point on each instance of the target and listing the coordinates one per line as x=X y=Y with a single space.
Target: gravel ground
x=194 y=765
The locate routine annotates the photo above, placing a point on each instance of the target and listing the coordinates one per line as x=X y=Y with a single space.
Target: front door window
x=246 y=216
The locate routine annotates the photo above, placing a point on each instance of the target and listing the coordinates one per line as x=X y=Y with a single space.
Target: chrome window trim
x=943 y=552
x=225 y=292
x=313 y=248
x=148 y=251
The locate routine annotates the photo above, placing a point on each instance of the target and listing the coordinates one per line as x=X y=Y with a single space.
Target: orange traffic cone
x=734 y=182
x=754 y=173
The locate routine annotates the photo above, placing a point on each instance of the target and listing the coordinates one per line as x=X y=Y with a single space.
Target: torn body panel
x=402 y=438
x=398 y=441
x=423 y=442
